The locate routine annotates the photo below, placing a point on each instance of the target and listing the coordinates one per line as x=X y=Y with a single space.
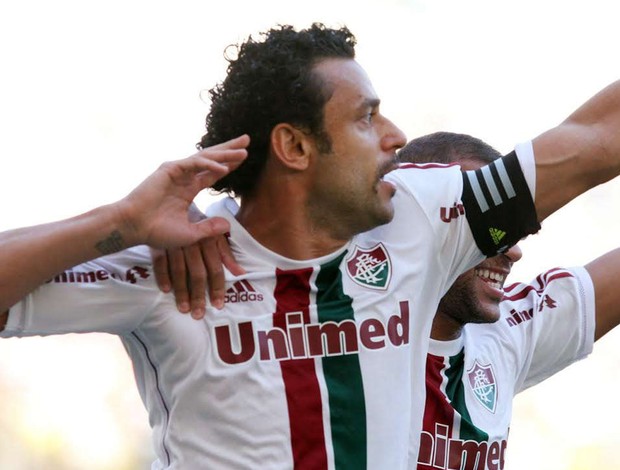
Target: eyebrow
x=366 y=103
x=371 y=102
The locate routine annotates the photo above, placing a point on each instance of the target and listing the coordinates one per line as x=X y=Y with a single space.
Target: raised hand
x=155 y=213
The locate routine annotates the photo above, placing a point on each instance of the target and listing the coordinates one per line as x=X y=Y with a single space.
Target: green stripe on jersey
x=343 y=375
x=456 y=393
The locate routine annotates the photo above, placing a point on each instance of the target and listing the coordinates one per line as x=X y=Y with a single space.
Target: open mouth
x=384 y=170
x=387 y=167
x=493 y=278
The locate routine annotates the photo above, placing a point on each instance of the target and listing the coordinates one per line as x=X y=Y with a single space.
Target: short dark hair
x=447 y=147
x=271 y=81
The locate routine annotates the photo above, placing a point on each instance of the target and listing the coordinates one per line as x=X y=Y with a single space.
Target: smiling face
x=348 y=194
x=475 y=295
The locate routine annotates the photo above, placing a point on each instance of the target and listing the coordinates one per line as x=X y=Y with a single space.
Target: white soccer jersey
x=310 y=365
x=471 y=382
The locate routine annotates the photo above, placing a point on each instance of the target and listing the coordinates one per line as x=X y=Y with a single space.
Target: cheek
x=458 y=296
x=352 y=177
x=357 y=148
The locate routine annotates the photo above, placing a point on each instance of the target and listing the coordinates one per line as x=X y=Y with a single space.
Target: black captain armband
x=498 y=205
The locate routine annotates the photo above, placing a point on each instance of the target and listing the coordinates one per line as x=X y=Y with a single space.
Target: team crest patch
x=370 y=267
x=482 y=382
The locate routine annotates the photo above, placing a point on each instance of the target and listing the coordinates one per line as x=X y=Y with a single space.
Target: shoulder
x=137 y=255
x=561 y=291
x=430 y=186
x=421 y=176
x=552 y=278
x=131 y=267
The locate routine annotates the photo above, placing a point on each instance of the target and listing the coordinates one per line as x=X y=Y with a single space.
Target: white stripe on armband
x=477 y=190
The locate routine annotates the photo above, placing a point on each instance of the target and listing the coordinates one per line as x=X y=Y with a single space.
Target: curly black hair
x=271 y=81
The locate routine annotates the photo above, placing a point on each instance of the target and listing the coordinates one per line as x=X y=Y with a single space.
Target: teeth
x=493 y=278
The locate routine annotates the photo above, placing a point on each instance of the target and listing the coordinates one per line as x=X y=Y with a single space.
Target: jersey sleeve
x=112 y=294
x=552 y=322
x=469 y=214
x=428 y=206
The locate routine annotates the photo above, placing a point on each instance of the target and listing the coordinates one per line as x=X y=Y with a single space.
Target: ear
x=291 y=146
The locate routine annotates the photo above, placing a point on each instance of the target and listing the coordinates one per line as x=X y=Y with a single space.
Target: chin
x=370 y=219
x=489 y=315
x=387 y=214
x=484 y=311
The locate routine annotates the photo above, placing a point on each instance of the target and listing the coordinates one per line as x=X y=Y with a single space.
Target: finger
x=160 y=269
x=216 y=165
x=217 y=171
x=178 y=275
x=200 y=172
x=227 y=256
x=215 y=271
x=206 y=163
x=238 y=142
x=230 y=153
x=211 y=227
x=197 y=280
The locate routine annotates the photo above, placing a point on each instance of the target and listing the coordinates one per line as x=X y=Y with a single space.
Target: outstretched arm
x=580 y=153
x=605 y=272
x=155 y=213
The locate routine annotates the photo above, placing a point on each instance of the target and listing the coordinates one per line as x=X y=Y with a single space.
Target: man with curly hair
x=317 y=358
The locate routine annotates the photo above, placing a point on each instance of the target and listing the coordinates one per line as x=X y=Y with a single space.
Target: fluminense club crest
x=482 y=382
x=370 y=267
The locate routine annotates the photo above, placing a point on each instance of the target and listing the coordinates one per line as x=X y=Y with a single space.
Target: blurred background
x=95 y=95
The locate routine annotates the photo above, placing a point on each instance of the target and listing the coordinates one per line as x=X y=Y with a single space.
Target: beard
x=463 y=303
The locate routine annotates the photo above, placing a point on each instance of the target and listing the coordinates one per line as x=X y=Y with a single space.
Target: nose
x=393 y=137
x=514 y=253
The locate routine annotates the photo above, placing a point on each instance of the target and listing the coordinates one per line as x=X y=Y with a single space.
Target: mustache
x=388 y=166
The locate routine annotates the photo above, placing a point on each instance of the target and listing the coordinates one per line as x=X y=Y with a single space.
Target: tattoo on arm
x=112 y=244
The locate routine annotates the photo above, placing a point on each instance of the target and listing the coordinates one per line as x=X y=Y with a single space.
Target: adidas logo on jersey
x=242 y=291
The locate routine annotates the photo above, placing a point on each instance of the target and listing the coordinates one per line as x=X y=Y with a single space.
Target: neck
x=445 y=328
x=282 y=225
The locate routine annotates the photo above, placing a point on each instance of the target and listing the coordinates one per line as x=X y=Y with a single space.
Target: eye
x=370 y=116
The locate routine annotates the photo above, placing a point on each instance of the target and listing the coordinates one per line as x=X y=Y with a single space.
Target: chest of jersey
x=314 y=364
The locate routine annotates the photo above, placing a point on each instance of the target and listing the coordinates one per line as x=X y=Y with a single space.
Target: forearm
x=580 y=153
x=32 y=255
x=155 y=213
x=605 y=272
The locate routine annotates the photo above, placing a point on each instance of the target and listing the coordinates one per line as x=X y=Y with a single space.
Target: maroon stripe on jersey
x=437 y=410
x=247 y=285
x=543 y=280
x=425 y=166
x=303 y=394
x=238 y=287
x=554 y=274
